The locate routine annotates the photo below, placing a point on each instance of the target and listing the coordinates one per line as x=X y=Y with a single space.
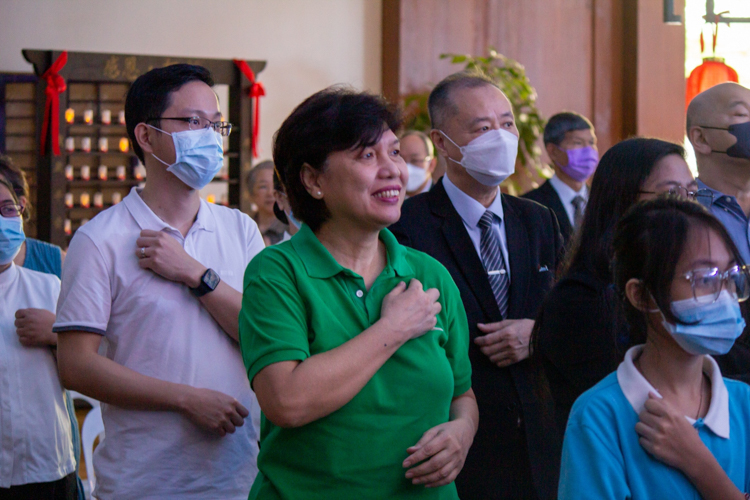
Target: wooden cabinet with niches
x=96 y=167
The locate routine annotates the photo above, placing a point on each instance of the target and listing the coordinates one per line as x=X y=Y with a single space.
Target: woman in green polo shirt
x=356 y=346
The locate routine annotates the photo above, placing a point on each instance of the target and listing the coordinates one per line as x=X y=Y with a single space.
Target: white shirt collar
x=565 y=192
x=636 y=389
x=147 y=219
x=467 y=207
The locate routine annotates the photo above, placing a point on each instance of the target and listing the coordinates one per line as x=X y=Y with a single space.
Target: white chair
x=93 y=427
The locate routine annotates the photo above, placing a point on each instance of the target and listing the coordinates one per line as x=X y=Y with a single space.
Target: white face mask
x=490 y=158
x=417 y=177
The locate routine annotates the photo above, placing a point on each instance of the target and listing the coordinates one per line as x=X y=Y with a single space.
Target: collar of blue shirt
x=636 y=389
x=467 y=207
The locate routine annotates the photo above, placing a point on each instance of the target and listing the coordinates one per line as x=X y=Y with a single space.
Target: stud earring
x=319 y=193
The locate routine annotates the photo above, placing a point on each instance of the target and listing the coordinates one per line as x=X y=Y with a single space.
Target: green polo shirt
x=298 y=302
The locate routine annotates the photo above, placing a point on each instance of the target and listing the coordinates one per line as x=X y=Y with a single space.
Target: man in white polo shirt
x=158 y=279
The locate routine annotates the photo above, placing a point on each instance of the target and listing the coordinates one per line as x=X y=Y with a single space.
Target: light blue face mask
x=199 y=155
x=11 y=238
x=717 y=325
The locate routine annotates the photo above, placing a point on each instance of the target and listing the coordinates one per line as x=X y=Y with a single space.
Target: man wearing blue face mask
x=502 y=252
x=718 y=126
x=570 y=142
x=156 y=279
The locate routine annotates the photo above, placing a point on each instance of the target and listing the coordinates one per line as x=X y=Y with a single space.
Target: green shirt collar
x=319 y=263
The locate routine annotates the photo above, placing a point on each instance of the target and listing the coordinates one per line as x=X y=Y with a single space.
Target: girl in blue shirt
x=680 y=278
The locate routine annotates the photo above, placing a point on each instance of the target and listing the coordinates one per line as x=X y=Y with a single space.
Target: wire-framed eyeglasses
x=680 y=191
x=708 y=282
x=11 y=210
x=198 y=123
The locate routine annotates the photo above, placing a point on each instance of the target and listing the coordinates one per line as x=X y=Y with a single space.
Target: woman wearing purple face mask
x=570 y=142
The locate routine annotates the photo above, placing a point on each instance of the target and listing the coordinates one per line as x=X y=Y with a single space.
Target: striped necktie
x=579 y=204
x=494 y=263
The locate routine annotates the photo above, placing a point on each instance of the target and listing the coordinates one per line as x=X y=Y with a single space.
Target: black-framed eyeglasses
x=707 y=283
x=198 y=123
x=11 y=210
x=680 y=191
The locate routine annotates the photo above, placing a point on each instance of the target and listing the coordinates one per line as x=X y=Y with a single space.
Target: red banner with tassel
x=51 y=118
x=256 y=91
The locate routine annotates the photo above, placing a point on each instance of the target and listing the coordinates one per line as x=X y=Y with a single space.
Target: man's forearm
x=101 y=378
x=224 y=304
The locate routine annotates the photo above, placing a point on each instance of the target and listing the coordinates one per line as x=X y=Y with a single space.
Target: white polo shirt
x=35 y=441
x=158 y=328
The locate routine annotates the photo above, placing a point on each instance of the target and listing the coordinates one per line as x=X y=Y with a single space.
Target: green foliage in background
x=511 y=77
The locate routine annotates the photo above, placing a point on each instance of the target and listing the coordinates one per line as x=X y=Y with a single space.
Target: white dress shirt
x=471 y=211
x=35 y=441
x=158 y=328
x=566 y=194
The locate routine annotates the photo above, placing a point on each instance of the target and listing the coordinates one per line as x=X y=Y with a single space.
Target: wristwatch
x=209 y=282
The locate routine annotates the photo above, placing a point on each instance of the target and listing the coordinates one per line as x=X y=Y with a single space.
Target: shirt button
x=728 y=199
x=360 y=293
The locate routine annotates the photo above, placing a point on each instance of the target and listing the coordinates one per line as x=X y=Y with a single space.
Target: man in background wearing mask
x=419 y=153
x=571 y=146
x=502 y=252
x=158 y=279
x=718 y=127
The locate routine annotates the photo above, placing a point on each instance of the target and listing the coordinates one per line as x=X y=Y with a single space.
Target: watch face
x=211 y=279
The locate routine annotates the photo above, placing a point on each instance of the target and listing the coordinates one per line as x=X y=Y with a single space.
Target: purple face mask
x=581 y=163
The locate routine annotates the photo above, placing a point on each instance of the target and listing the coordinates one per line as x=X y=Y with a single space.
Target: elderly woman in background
x=260 y=186
x=356 y=346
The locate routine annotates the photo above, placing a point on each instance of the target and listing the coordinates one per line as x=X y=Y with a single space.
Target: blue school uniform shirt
x=602 y=458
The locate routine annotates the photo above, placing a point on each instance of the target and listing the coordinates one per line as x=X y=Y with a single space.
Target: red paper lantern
x=712 y=72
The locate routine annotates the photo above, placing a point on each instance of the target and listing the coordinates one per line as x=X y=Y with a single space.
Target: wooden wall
x=614 y=61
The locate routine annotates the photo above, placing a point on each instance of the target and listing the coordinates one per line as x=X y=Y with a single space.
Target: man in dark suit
x=502 y=252
x=570 y=142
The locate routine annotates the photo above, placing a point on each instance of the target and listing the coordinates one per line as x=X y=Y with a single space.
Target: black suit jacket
x=515 y=453
x=547 y=196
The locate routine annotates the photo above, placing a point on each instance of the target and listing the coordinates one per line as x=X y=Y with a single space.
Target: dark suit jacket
x=547 y=196
x=512 y=456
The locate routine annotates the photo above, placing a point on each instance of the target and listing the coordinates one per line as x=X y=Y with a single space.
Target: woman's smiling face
x=365 y=186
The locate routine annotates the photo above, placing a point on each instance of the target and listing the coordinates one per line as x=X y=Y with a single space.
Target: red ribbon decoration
x=256 y=91
x=51 y=118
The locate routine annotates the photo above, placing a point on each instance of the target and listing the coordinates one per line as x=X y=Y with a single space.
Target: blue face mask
x=718 y=325
x=199 y=155
x=11 y=238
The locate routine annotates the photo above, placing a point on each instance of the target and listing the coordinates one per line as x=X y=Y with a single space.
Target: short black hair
x=150 y=94
x=560 y=124
x=440 y=105
x=648 y=242
x=615 y=187
x=17 y=180
x=335 y=119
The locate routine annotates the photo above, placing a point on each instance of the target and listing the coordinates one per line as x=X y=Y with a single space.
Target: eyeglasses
x=417 y=160
x=198 y=123
x=11 y=210
x=705 y=197
x=708 y=282
x=680 y=191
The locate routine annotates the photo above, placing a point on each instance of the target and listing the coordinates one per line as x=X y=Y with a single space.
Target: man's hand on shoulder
x=163 y=254
x=505 y=342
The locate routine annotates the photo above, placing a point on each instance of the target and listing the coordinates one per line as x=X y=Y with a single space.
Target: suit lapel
x=520 y=261
x=464 y=253
x=555 y=203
